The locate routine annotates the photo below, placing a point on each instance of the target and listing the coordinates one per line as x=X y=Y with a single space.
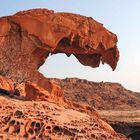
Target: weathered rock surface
x=102 y=95
x=28 y=120
x=31 y=92
x=27 y=38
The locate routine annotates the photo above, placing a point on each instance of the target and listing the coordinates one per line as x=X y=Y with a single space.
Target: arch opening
x=61 y=66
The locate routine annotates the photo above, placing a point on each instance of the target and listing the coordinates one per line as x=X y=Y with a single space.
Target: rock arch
x=30 y=36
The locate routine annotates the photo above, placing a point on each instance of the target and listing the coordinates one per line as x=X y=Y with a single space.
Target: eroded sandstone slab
x=47 y=121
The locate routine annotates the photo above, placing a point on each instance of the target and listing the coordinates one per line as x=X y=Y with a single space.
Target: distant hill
x=102 y=95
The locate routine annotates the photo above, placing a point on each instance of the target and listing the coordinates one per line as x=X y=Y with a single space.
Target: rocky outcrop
x=27 y=38
x=29 y=91
x=101 y=95
x=28 y=120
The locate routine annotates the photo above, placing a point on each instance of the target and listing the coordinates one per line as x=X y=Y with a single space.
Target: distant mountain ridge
x=102 y=95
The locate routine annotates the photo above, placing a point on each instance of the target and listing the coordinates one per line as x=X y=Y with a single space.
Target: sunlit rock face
x=27 y=38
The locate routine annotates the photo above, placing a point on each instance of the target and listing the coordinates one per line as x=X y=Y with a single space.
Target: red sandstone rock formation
x=27 y=38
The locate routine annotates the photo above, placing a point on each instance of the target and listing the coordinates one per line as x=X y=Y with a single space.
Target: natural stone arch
x=32 y=35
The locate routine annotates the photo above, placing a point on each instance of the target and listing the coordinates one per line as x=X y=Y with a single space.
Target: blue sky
x=122 y=17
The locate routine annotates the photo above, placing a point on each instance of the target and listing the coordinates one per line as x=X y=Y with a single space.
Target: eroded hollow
x=61 y=66
x=135 y=135
x=4 y=92
x=30 y=46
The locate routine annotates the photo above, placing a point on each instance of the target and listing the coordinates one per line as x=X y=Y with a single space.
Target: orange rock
x=33 y=92
x=6 y=85
x=36 y=93
x=69 y=33
x=27 y=38
x=31 y=35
